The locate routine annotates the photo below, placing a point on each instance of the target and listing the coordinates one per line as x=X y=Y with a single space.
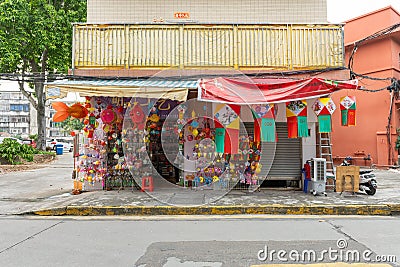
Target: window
x=19 y=107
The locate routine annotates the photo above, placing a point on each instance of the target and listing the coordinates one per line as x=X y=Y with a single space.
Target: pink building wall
x=378 y=58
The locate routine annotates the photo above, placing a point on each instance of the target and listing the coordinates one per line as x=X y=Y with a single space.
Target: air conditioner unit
x=318 y=176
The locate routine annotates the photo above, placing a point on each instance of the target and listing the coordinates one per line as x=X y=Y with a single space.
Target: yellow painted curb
x=384 y=210
x=395 y=208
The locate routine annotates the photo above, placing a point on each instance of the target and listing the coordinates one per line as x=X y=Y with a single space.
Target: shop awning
x=263 y=90
x=176 y=90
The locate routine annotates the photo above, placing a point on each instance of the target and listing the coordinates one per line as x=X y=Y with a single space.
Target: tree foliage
x=71 y=124
x=35 y=40
x=27 y=28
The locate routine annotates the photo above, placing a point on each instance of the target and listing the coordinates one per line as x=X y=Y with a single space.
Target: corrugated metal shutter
x=287 y=161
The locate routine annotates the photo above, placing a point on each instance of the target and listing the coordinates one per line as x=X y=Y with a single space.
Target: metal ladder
x=325 y=151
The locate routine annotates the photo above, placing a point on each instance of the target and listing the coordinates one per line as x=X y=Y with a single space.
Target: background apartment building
x=15 y=110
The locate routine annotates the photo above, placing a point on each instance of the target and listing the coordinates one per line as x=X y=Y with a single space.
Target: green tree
x=35 y=41
x=71 y=124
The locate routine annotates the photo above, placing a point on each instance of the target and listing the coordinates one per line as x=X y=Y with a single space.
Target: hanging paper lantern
x=181 y=117
x=137 y=116
x=108 y=116
x=348 y=110
x=264 y=125
x=63 y=111
x=92 y=119
x=296 y=114
x=227 y=121
x=195 y=132
x=324 y=108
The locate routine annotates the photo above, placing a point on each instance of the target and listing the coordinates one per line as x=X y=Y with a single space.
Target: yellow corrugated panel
x=233 y=46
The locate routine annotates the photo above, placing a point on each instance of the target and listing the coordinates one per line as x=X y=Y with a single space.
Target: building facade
x=126 y=42
x=15 y=110
x=372 y=140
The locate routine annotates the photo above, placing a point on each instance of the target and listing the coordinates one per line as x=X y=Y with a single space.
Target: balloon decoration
x=296 y=114
x=324 y=108
x=264 y=122
x=348 y=110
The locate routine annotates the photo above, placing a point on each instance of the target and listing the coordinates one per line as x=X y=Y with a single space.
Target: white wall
x=207 y=11
x=310 y=143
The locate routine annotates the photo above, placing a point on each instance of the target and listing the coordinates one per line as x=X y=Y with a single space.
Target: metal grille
x=320 y=170
x=233 y=46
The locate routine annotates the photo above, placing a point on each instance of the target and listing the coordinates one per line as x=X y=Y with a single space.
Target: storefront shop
x=235 y=134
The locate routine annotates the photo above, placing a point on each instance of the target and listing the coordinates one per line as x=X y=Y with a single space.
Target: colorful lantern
x=296 y=114
x=348 y=110
x=137 y=116
x=63 y=111
x=108 y=115
x=264 y=125
x=324 y=108
x=227 y=128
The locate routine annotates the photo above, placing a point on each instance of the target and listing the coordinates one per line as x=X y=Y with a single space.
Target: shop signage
x=182 y=15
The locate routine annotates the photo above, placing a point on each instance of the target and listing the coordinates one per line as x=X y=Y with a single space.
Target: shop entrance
x=157 y=150
x=286 y=166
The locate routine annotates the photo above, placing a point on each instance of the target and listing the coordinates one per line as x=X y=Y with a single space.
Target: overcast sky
x=342 y=10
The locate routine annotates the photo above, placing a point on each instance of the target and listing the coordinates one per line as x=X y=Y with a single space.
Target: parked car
x=51 y=144
x=16 y=139
x=29 y=142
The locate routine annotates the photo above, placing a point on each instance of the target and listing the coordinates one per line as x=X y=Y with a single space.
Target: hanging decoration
x=108 y=115
x=138 y=117
x=264 y=124
x=296 y=114
x=76 y=111
x=181 y=116
x=324 y=108
x=348 y=110
x=227 y=123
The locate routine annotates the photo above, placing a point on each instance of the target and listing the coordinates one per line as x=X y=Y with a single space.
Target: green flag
x=220 y=139
x=325 y=125
x=302 y=126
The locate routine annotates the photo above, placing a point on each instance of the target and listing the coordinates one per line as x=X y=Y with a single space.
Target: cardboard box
x=347 y=178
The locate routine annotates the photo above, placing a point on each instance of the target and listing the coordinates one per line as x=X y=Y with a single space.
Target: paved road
x=193 y=241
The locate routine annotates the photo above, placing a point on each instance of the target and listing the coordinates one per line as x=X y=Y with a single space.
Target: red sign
x=181 y=15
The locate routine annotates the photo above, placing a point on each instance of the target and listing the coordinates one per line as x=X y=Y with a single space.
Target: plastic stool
x=147 y=183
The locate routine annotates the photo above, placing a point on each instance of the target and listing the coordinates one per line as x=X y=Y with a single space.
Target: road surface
x=196 y=240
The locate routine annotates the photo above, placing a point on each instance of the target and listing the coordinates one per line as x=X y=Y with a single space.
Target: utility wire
x=35 y=77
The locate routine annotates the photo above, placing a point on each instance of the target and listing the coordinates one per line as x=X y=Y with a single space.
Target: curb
x=381 y=210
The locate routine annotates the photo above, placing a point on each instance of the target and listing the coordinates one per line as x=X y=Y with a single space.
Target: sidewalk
x=29 y=193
